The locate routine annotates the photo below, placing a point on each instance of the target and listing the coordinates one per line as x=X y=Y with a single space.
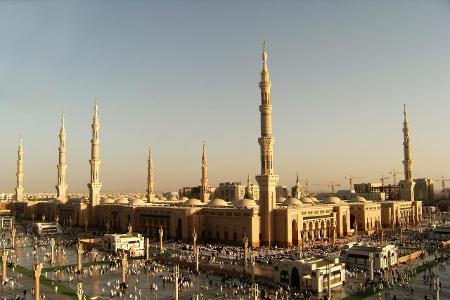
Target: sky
x=168 y=74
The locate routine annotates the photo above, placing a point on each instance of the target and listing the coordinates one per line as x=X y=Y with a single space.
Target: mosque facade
x=268 y=220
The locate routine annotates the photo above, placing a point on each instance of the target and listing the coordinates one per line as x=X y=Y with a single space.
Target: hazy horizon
x=168 y=75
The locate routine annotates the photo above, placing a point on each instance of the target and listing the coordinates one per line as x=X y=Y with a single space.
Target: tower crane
x=331 y=185
x=350 y=180
x=382 y=179
x=442 y=180
x=394 y=174
x=306 y=185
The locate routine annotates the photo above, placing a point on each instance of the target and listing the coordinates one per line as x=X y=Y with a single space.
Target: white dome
x=217 y=202
x=192 y=202
x=332 y=200
x=306 y=200
x=137 y=201
x=292 y=202
x=314 y=199
x=122 y=200
x=248 y=203
x=359 y=199
x=281 y=199
x=184 y=198
x=173 y=198
x=106 y=201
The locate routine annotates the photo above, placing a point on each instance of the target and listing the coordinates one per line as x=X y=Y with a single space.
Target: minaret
x=150 y=195
x=297 y=189
x=204 y=189
x=61 y=187
x=407 y=185
x=248 y=190
x=95 y=185
x=19 y=174
x=267 y=181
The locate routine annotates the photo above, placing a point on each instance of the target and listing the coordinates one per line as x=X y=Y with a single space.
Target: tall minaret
x=204 y=189
x=150 y=194
x=248 y=190
x=61 y=187
x=267 y=181
x=407 y=185
x=297 y=190
x=19 y=174
x=95 y=185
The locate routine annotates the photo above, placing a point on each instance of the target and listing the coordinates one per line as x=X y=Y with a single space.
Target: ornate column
x=147 y=248
x=80 y=291
x=37 y=268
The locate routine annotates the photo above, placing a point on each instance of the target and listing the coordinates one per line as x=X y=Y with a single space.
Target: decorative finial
x=264 y=54
x=297 y=179
x=405 y=113
x=62 y=120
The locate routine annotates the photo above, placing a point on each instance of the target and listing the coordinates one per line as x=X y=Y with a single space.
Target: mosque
x=267 y=221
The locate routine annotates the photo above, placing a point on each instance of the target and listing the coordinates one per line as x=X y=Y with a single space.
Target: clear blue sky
x=170 y=73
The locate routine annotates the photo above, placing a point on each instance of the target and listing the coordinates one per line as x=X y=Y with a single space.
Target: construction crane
x=306 y=185
x=382 y=179
x=394 y=174
x=442 y=180
x=331 y=185
x=350 y=180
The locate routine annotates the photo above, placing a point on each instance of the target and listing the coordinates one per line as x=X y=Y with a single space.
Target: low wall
x=411 y=256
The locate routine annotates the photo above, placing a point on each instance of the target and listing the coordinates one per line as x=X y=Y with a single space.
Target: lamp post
x=79 y=253
x=161 y=234
x=52 y=245
x=177 y=274
x=371 y=265
x=436 y=287
x=245 y=242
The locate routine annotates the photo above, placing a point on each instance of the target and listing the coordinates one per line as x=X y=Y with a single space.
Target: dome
x=173 y=198
x=217 y=202
x=192 y=202
x=314 y=199
x=292 y=202
x=247 y=203
x=122 y=200
x=106 y=201
x=163 y=198
x=137 y=201
x=184 y=198
x=359 y=199
x=281 y=199
x=306 y=200
x=332 y=200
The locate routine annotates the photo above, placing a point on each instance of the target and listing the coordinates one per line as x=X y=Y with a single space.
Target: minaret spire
x=19 y=174
x=407 y=185
x=205 y=190
x=267 y=181
x=150 y=194
x=94 y=185
x=61 y=186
